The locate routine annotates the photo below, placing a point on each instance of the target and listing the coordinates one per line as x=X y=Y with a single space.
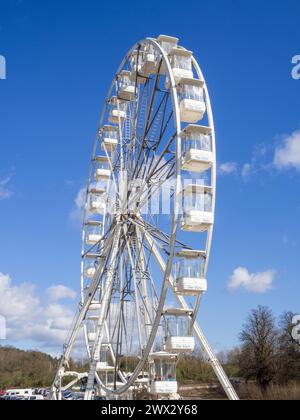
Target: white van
x=19 y=393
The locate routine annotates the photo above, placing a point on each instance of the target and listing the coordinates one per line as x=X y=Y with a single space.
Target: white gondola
x=97 y=204
x=109 y=136
x=163 y=374
x=197 y=155
x=190 y=268
x=102 y=172
x=91 y=325
x=118 y=110
x=181 y=63
x=106 y=372
x=179 y=331
x=167 y=43
x=198 y=215
x=91 y=328
x=95 y=306
x=93 y=232
x=191 y=100
x=90 y=263
x=150 y=62
x=136 y=62
x=102 y=365
x=127 y=88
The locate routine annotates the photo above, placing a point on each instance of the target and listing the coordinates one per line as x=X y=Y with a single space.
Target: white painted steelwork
x=123 y=304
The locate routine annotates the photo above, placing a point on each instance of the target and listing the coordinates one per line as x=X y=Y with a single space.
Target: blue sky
x=61 y=57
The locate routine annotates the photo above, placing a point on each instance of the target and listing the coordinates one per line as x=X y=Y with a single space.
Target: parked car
x=68 y=395
x=35 y=398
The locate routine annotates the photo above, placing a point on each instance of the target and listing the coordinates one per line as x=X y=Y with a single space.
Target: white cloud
x=287 y=155
x=60 y=292
x=17 y=302
x=69 y=183
x=247 y=170
x=228 y=168
x=5 y=190
x=254 y=283
x=259 y=162
x=30 y=318
x=77 y=210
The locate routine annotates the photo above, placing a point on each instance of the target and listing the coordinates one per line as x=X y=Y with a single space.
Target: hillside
x=24 y=369
x=19 y=368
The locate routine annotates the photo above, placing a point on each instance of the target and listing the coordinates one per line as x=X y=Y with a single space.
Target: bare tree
x=259 y=347
x=289 y=351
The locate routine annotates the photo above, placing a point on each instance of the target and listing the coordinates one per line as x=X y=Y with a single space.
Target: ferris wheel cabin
x=163 y=373
x=103 y=366
x=181 y=63
x=117 y=111
x=93 y=232
x=97 y=202
x=95 y=306
x=150 y=60
x=191 y=100
x=103 y=171
x=91 y=328
x=106 y=375
x=179 y=331
x=126 y=86
x=198 y=213
x=136 y=63
x=109 y=136
x=197 y=155
x=190 y=272
x=167 y=43
x=90 y=264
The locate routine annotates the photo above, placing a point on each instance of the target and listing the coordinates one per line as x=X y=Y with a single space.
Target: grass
x=250 y=391
x=290 y=392
x=201 y=392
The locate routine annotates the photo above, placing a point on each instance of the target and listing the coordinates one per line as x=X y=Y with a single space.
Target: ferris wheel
x=148 y=227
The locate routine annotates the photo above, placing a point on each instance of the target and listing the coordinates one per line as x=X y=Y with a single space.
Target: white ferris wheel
x=148 y=227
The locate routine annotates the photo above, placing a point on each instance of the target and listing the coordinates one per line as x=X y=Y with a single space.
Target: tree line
x=25 y=369
x=267 y=355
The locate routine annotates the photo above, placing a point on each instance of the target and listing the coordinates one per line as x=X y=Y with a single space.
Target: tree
x=193 y=368
x=25 y=368
x=289 y=351
x=259 y=347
